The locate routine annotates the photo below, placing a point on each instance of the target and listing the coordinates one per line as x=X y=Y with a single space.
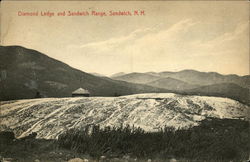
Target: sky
x=171 y=36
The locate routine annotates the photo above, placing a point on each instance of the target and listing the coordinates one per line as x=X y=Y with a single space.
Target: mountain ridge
x=26 y=71
x=171 y=84
x=204 y=78
x=232 y=86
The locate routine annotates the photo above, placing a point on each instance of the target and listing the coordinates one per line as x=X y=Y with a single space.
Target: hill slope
x=141 y=78
x=50 y=117
x=172 y=84
x=223 y=90
x=25 y=71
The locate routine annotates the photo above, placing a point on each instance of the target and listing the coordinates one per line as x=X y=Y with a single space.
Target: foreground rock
x=50 y=117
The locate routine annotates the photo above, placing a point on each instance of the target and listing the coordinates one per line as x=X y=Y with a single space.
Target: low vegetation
x=212 y=140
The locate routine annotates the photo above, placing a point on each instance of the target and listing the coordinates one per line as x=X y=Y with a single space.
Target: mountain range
x=195 y=83
x=189 y=76
x=24 y=72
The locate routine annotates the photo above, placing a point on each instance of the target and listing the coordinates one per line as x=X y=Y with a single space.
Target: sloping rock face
x=50 y=117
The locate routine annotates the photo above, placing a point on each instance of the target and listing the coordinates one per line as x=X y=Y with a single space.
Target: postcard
x=124 y=81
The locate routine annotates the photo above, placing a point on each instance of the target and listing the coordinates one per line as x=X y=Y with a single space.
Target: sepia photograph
x=124 y=81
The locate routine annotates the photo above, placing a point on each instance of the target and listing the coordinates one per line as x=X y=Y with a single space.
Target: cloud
x=113 y=43
x=148 y=39
x=231 y=43
x=165 y=41
x=170 y=48
x=228 y=37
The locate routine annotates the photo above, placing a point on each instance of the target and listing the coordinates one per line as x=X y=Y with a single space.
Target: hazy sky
x=172 y=36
